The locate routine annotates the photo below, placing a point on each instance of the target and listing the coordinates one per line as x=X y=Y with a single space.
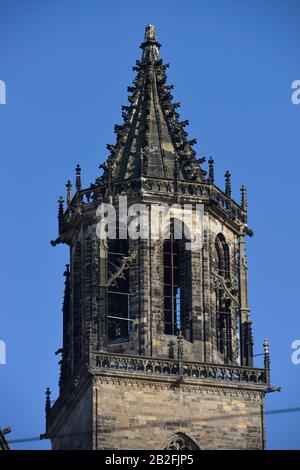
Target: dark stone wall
x=140 y=414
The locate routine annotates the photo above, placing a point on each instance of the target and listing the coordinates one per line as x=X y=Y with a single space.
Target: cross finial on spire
x=150 y=45
x=150 y=33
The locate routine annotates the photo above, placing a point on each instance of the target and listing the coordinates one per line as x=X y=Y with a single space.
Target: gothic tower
x=157 y=342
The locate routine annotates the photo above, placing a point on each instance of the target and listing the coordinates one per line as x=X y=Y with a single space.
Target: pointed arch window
x=177 y=282
x=223 y=258
x=181 y=441
x=223 y=305
x=118 y=295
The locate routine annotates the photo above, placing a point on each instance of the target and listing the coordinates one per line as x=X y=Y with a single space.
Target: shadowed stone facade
x=137 y=413
x=157 y=339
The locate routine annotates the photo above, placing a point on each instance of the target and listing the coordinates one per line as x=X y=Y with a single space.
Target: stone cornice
x=177 y=385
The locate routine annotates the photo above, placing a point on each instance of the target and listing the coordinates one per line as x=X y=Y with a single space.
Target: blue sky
x=66 y=65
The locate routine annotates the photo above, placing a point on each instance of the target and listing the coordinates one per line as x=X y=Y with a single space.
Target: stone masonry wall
x=73 y=431
x=141 y=414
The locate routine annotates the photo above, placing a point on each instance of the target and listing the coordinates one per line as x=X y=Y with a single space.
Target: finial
x=48 y=400
x=180 y=345
x=267 y=362
x=211 y=172
x=78 y=178
x=67 y=271
x=150 y=33
x=228 y=184
x=150 y=45
x=266 y=347
x=244 y=197
x=244 y=202
x=60 y=208
x=69 y=192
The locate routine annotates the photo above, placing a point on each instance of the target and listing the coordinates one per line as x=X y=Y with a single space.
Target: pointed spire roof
x=152 y=141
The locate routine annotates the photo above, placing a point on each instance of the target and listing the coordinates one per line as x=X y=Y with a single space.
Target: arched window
x=224 y=327
x=77 y=304
x=119 y=308
x=223 y=305
x=177 y=281
x=223 y=258
x=181 y=441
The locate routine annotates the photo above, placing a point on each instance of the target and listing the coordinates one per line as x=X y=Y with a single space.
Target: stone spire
x=152 y=137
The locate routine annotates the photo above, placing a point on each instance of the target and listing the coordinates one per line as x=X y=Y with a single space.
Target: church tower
x=157 y=346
